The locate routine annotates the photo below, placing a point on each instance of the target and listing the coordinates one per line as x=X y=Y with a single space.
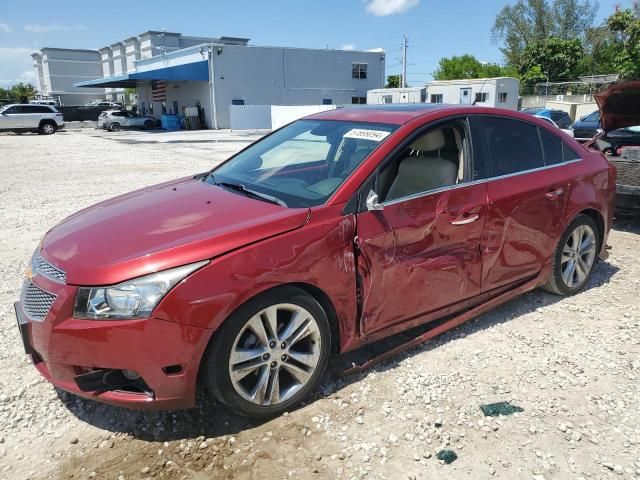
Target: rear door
x=528 y=184
x=32 y=114
x=419 y=251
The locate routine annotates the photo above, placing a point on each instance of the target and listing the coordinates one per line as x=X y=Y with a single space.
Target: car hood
x=619 y=106
x=161 y=227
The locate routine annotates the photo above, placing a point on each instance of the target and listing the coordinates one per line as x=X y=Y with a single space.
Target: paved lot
x=572 y=365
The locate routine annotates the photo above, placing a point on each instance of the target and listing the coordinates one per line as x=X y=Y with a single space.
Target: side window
x=13 y=110
x=551 y=147
x=502 y=146
x=433 y=160
x=568 y=154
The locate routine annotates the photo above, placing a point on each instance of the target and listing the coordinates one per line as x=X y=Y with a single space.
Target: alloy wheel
x=47 y=129
x=275 y=354
x=578 y=255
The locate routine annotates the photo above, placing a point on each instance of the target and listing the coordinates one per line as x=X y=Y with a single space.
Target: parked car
x=332 y=232
x=568 y=131
x=587 y=127
x=44 y=119
x=561 y=118
x=103 y=104
x=619 y=109
x=115 y=120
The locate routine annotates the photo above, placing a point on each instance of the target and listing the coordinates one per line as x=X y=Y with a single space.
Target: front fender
x=319 y=254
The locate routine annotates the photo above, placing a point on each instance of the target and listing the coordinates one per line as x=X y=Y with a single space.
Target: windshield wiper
x=238 y=187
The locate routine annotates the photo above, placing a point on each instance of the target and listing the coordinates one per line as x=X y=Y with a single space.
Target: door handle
x=464 y=220
x=554 y=193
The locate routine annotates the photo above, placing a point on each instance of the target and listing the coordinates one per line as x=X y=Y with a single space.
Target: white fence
x=250 y=117
x=270 y=117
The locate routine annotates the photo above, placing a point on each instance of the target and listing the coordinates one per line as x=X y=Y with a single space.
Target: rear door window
x=552 y=148
x=503 y=146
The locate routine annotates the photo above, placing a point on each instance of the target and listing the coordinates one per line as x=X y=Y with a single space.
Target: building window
x=359 y=100
x=481 y=97
x=237 y=102
x=437 y=98
x=358 y=70
x=327 y=101
x=387 y=99
x=502 y=97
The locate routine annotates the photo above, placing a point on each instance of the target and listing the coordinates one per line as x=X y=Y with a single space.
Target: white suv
x=44 y=119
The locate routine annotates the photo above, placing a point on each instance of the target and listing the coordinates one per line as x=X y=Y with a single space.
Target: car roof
x=392 y=114
x=28 y=105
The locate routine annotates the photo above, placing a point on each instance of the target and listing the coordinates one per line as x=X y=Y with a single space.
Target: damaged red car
x=332 y=232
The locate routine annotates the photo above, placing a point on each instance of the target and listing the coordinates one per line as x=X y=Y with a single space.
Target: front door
x=420 y=251
x=11 y=118
x=465 y=96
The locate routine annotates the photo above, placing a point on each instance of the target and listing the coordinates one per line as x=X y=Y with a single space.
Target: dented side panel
x=414 y=261
x=320 y=255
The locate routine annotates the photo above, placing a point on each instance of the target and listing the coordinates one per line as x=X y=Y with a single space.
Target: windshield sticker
x=365 y=134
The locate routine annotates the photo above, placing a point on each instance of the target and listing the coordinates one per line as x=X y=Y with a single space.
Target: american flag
x=159 y=91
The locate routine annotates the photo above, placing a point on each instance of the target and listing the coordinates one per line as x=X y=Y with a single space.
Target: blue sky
x=435 y=28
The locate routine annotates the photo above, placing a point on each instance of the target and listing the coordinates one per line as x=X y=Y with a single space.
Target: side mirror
x=372 y=201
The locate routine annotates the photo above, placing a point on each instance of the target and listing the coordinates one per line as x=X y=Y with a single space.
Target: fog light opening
x=130 y=374
x=173 y=369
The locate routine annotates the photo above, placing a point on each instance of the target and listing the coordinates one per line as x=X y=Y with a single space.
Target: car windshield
x=302 y=164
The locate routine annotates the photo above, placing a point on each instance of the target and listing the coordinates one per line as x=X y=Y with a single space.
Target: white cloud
x=52 y=27
x=381 y=8
x=16 y=65
x=5 y=28
x=348 y=46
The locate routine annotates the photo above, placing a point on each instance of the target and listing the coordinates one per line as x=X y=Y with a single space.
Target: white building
x=227 y=71
x=121 y=57
x=381 y=96
x=490 y=92
x=58 y=69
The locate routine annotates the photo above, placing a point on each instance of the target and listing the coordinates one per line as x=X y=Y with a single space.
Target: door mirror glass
x=372 y=201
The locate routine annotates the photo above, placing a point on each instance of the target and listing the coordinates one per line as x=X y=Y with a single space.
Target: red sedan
x=335 y=231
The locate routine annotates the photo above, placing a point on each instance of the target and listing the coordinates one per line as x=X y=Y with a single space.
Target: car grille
x=36 y=303
x=44 y=268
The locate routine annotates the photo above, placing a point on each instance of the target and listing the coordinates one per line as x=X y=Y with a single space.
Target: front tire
x=114 y=127
x=575 y=257
x=148 y=125
x=269 y=354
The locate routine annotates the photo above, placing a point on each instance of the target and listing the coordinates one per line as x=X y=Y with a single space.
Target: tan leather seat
x=420 y=172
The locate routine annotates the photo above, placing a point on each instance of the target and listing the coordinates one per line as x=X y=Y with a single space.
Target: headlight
x=132 y=299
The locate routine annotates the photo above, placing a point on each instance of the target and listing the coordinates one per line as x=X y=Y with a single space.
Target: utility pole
x=403 y=83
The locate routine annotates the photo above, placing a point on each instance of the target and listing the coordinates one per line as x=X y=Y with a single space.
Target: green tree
x=553 y=58
x=625 y=26
x=20 y=91
x=468 y=66
x=393 y=81
x=529 y=21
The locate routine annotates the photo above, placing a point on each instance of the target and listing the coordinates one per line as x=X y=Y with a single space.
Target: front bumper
x=165 y=354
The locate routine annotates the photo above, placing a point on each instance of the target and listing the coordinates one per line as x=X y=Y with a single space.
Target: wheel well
x=47 y=120
x=596 y=217
x=323 y=299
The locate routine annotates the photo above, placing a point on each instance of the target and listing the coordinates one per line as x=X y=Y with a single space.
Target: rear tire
x=47 y=128
x=575 y=257
x=148 y=125
x=114 y=127
x=258 y=372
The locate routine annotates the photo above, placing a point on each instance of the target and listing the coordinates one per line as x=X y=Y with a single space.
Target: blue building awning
x=196 y=71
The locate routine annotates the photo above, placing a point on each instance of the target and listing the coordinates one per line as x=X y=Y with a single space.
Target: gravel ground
x=571 y=364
